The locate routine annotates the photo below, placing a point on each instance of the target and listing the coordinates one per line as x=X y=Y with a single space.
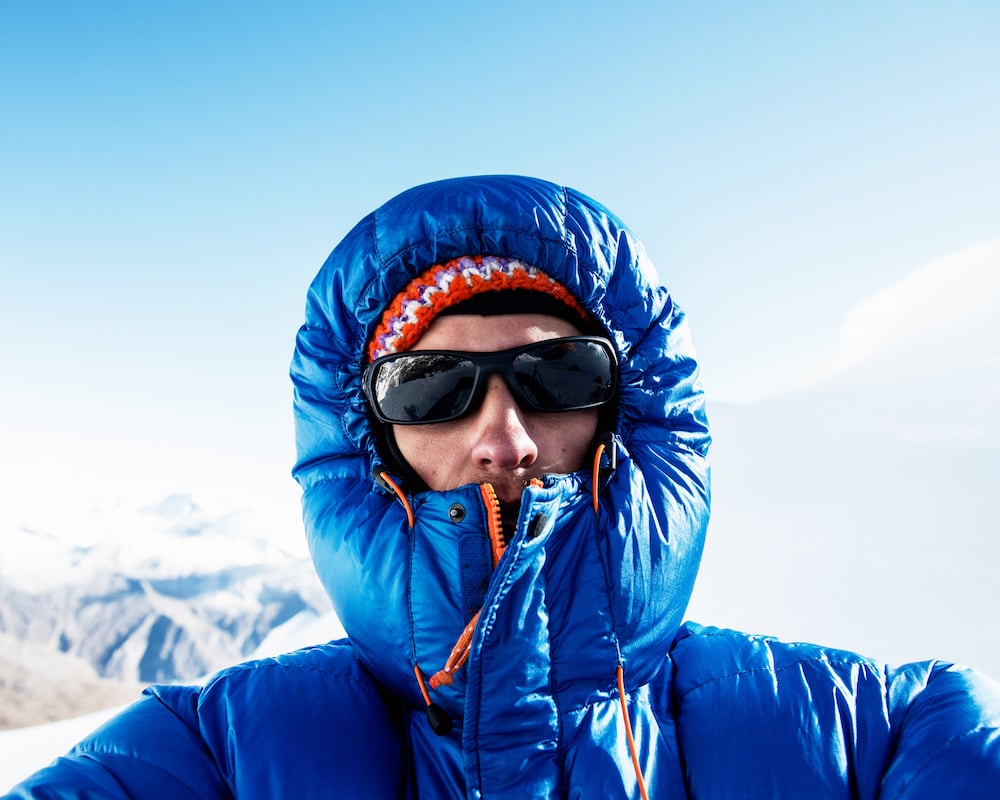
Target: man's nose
x=502 y=440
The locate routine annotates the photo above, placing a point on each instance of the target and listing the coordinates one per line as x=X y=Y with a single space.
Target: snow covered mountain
x=161 y=593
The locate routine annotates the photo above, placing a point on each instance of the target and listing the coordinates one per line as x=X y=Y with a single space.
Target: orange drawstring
x=606 y=449
x=596 y=473
x=439 y=721
x=459 y=655
x=399 y=494
x=620 y=673
x=421 y=684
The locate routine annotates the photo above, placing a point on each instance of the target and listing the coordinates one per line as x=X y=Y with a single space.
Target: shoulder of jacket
x=925 y=729
x=330 y=662
x=704 y=655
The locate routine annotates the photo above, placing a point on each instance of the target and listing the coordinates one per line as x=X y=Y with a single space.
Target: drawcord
x=595 y=484
x=606 y=447
x=456 y=660
x=605 y=463
x=438 y=718
x=620 y=674
x=383 y=479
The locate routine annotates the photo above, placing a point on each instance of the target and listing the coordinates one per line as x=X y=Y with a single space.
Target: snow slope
x=859 y=510
x=161 y=593
x=26 y=750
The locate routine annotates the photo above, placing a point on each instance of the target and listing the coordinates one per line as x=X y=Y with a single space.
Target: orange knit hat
x=444 y=286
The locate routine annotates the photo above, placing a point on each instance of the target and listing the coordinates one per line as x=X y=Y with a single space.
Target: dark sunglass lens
x=423 y=388
x=565 y=375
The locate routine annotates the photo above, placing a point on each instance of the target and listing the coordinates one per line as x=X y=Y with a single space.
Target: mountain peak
x=173 y=506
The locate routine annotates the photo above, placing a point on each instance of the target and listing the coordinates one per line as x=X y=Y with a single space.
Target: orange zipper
x=460 y=652
x=494 y=522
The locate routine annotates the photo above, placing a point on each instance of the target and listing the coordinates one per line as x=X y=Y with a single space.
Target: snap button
x=456 y=513
x=536 y=525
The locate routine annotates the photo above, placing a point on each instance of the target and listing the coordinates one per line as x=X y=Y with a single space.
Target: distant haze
x=860 y=510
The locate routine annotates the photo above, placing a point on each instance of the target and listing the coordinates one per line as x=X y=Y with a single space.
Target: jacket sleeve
x=947 y=743
x=306 y=724
x=151 y=750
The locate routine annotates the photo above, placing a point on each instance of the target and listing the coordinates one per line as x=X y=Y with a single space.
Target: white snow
x=27 y=750
x=859 y=510
x=66 y=542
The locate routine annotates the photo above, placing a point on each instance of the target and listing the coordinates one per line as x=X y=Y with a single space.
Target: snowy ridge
x=159 y=593
x=28 y=749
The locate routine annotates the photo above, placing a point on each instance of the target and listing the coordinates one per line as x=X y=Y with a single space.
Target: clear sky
x=173 y=174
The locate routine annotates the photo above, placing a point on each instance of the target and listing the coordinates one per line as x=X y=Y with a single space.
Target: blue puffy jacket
x=581 y=680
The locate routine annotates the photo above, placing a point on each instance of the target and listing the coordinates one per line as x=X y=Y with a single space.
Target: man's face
x=499 y=442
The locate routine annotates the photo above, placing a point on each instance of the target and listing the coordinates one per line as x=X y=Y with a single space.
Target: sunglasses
x=424 y=386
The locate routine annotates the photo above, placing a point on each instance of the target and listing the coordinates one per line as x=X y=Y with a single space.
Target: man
x=502 y=449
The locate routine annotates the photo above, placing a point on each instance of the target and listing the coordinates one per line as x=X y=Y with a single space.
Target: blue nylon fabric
x=716 y=714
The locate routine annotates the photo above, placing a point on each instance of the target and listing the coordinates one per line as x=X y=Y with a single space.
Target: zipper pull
x=437 y=717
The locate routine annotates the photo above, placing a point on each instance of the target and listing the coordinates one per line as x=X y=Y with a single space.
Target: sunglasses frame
x=487 y=363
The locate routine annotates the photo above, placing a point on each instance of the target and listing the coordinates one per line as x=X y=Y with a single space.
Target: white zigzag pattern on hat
x=468 y=269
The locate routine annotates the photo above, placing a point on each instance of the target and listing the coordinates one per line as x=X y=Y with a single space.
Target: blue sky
x=173 y=174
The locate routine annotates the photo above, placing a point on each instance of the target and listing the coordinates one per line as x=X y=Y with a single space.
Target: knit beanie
x=483 y=285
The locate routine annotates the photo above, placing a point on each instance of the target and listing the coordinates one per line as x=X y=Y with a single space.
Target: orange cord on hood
x=400 y=494
x=596 y=474
x=601 y=449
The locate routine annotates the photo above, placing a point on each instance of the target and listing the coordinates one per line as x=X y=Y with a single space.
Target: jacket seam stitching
x=773 y=670
x=241 y=669
x=532 y=232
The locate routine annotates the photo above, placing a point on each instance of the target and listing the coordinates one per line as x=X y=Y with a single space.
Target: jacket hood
x=403 y=591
